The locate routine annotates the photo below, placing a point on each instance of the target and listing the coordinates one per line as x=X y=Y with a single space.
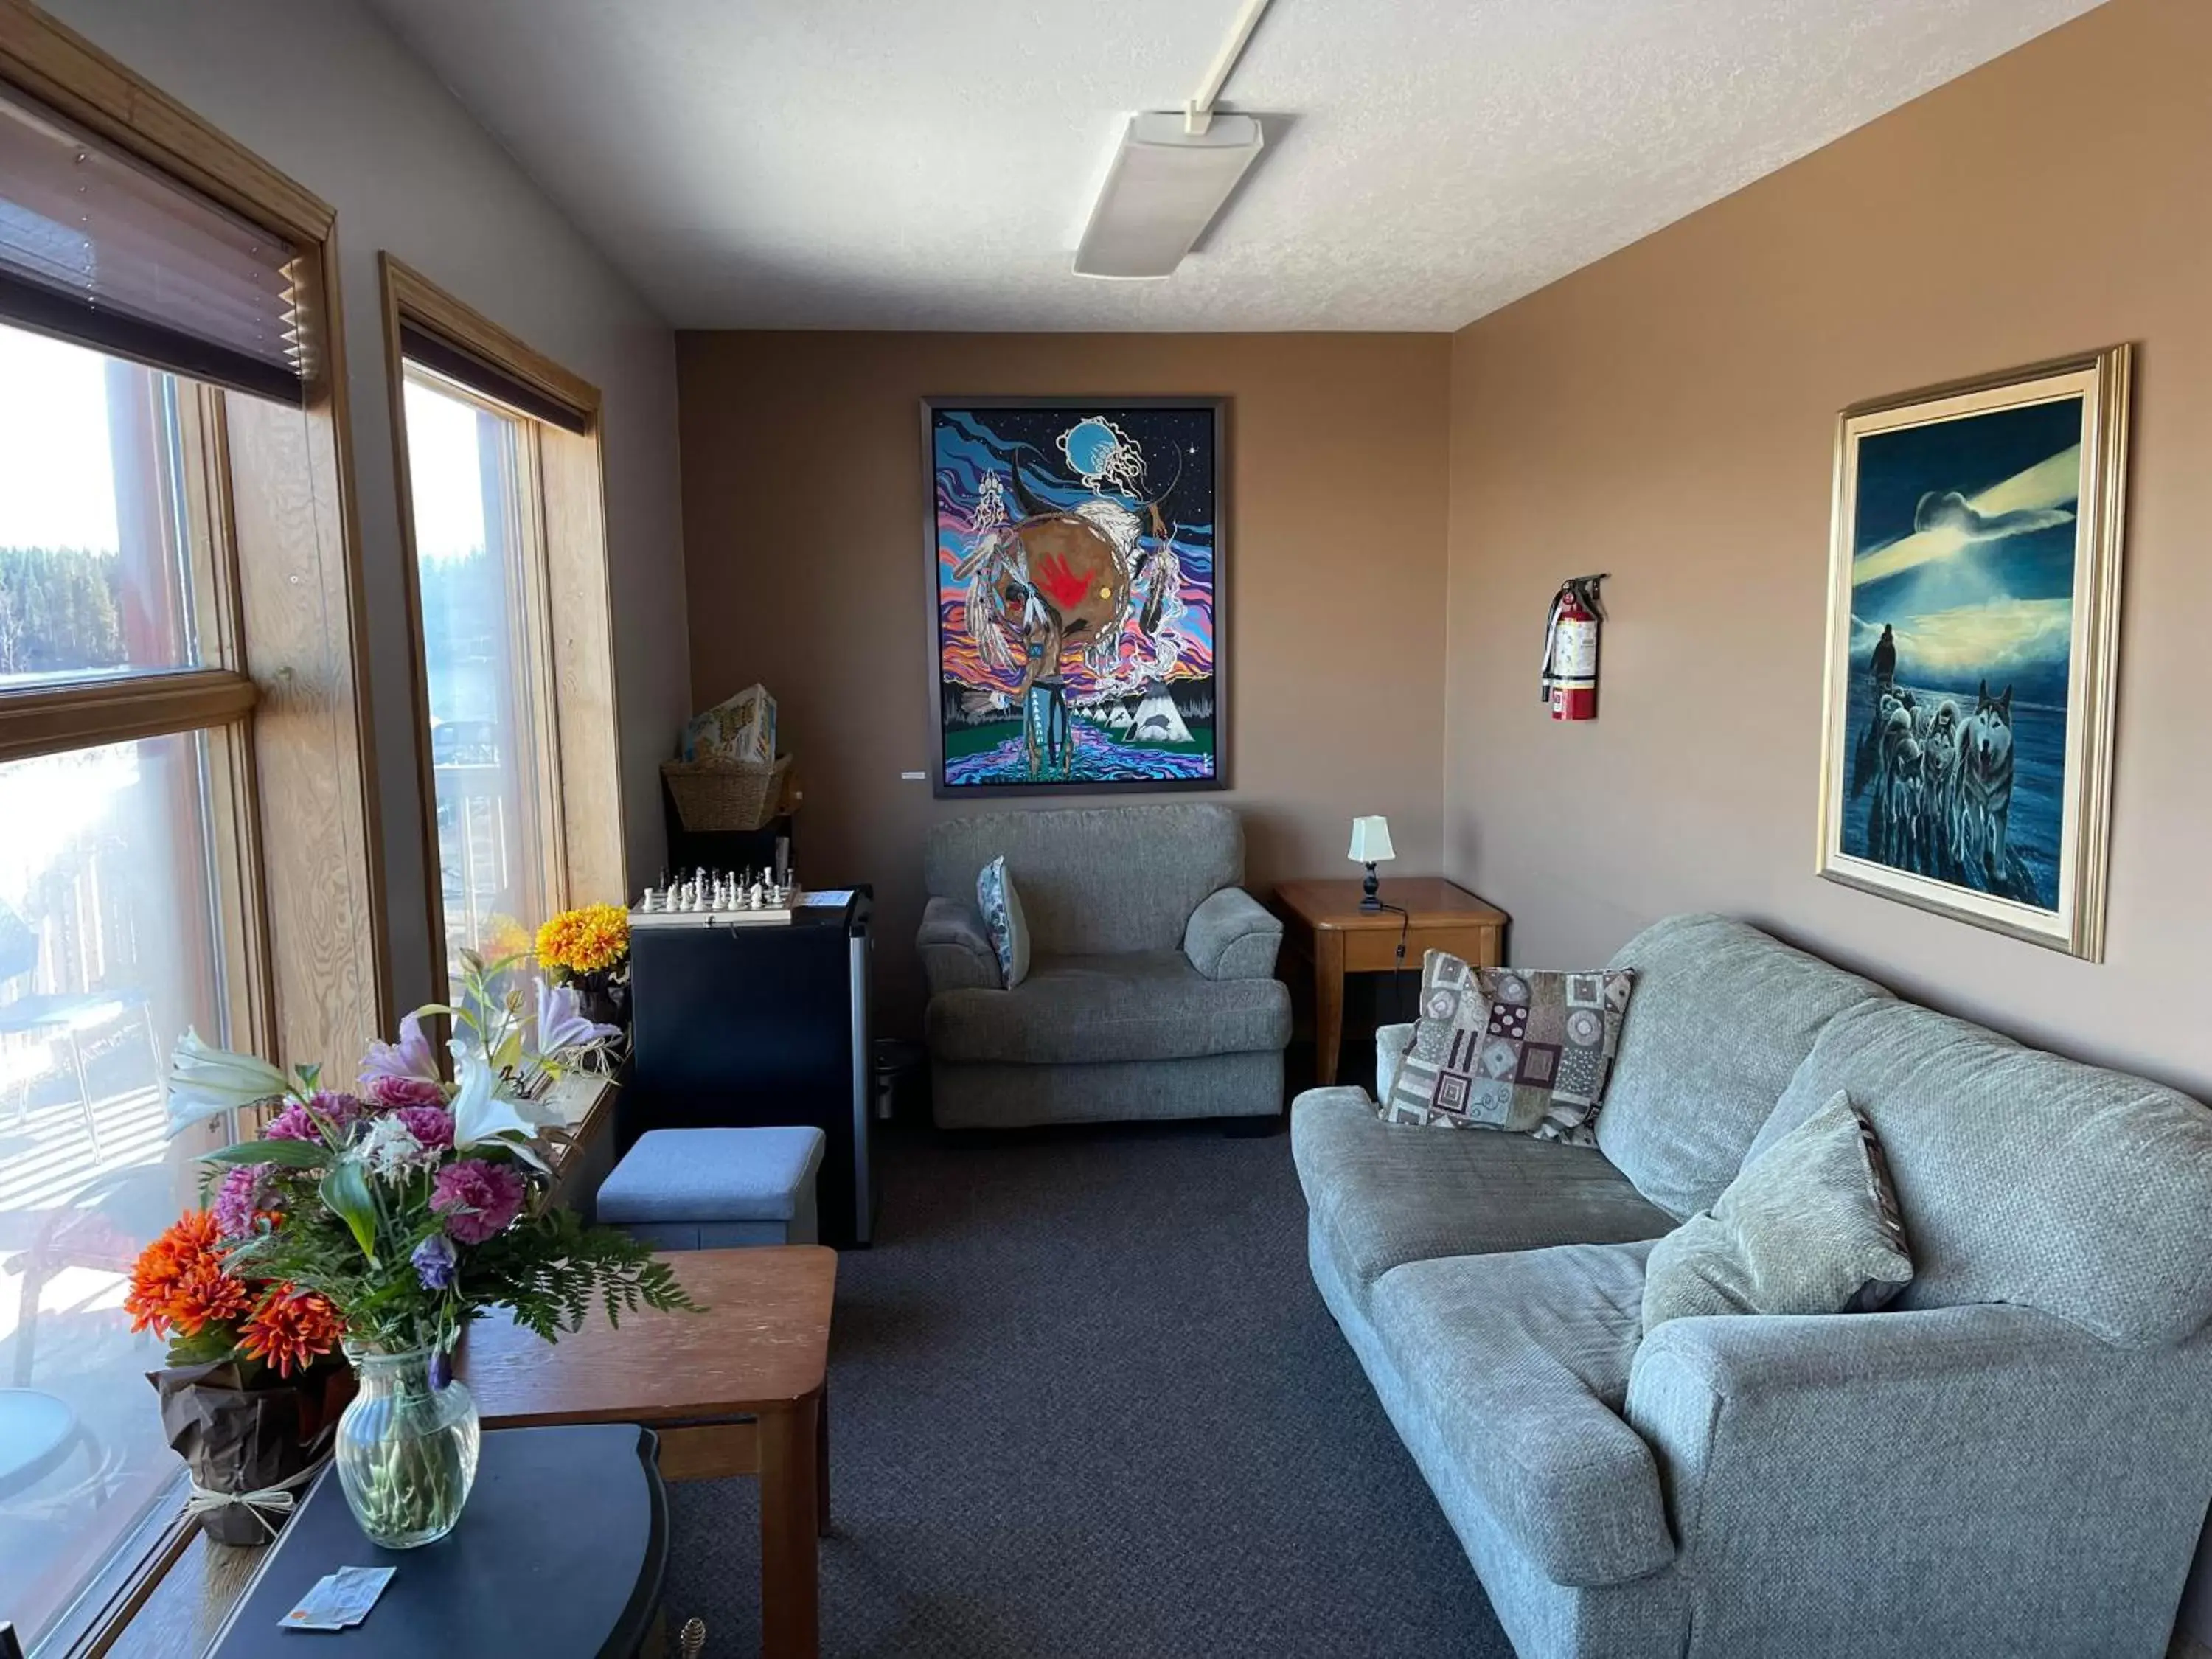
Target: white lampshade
x=1370 y=841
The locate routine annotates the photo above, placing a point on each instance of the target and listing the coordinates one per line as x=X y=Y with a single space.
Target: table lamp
x=1370 y=845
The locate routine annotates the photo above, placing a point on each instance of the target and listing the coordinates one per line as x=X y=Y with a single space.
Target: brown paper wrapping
x=234 y=1438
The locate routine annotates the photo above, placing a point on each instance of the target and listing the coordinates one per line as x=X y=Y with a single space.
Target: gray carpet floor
x=1087 y=1402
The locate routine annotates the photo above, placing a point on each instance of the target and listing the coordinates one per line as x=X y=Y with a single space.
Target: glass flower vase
x=407 y=1449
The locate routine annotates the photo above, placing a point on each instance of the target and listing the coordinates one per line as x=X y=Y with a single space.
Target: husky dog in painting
x=1939 y=789
x=1984 y=809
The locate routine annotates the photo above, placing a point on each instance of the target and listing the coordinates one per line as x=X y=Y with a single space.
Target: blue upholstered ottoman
x=708 y=1189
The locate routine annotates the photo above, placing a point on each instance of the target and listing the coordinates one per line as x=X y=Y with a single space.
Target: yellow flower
x=589 y=940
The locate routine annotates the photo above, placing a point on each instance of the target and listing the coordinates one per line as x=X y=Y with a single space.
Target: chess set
x=719 y=897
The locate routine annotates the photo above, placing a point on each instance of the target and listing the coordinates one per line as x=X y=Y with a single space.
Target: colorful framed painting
x=1973 y=622
x=1075 y=550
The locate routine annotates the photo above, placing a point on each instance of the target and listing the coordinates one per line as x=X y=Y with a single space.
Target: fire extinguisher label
x=1574 y=657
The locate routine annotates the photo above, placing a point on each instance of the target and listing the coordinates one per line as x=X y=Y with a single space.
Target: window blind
x=97 y=248
x=441 y=357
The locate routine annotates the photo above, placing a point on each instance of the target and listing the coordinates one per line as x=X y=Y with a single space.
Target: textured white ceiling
x=927 y=164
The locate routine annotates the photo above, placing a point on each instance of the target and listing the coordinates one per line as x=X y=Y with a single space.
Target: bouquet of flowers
x=253 y=1389
x=589 y=949
x=410 y=1206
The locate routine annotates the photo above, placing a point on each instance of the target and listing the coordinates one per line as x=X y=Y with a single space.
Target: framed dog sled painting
x=1973 y=620
x=1075 y=550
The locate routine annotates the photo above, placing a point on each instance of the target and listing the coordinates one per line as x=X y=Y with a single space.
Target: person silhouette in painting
x=1885 y=659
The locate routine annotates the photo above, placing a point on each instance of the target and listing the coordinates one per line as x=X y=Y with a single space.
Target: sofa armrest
x=1986 y=1478
x=955 y=951
x=1391 y=1045
x=1231 y=935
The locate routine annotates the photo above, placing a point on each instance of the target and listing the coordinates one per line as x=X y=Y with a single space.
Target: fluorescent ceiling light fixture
x=1166 y=185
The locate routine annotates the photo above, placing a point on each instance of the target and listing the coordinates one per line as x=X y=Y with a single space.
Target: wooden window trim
x=288 y=697
x=579 y=722
x=36 y=722
x=322 y=658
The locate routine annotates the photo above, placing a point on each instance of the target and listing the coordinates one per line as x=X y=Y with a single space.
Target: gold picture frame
x=1973 y=636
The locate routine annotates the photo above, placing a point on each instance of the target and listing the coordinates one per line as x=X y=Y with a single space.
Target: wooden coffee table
x=741 y=1388
x=1323 y=920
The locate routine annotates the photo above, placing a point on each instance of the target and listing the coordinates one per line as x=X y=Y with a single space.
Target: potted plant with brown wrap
x=255 y=1385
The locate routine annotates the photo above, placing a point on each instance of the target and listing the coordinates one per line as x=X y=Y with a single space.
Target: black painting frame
x=1218 y=407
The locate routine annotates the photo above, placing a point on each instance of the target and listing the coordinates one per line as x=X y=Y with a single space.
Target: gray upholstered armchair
x=1151 y=991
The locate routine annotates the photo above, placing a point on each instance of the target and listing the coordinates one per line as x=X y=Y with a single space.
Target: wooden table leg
x=791 y=1590
x=1328 y=1002
x=822 y=1463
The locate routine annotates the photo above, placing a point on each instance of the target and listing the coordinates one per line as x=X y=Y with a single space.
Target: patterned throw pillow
x=1810 y=1226
x=1510 y=1048
x=1003 y=919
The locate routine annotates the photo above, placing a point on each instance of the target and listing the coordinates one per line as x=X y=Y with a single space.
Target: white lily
x=205 y=1081
x=480 y=1111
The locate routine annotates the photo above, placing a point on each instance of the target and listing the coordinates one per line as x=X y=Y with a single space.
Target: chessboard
x=719 y=899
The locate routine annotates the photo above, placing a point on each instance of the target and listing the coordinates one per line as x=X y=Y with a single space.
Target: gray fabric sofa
x=1150 y=992
x=2015 y=1458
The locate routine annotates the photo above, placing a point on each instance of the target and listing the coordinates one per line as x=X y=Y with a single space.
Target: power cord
x=1398 y=973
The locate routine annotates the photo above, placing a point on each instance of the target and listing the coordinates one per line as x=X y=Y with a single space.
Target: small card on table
x=340 y=1600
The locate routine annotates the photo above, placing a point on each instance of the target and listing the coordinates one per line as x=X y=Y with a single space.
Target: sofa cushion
x=1147 y=1005
x=999 y=903
x=1520 y=1049
x=1722 y=1017
x=1380 y=1194
x=1095 y=880
x=1521 y=1361
x=2023 y=1177
x=1810 y=1226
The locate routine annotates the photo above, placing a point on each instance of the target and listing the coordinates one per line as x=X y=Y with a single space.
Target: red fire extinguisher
x=1569 y=680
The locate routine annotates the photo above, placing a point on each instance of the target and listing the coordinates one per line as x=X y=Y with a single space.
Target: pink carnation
x=431 y=1125
x=295 y=1122
x=478 y=1199
x=405 y=1091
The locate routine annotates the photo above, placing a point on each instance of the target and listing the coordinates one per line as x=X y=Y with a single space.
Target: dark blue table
x=560 y=1552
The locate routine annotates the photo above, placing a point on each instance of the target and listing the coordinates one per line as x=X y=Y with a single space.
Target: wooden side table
x=740 y=1388
x=1323 y=920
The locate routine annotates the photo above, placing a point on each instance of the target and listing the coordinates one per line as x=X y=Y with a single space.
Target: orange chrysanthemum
x=205 y=1295
x=589 y=940
x=291 y=1329
x=179 y=1281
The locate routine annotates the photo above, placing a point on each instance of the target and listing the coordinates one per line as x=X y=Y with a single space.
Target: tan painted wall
x=1669 y=415
x=807 y=570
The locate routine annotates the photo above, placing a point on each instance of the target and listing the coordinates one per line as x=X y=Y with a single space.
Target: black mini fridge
x=746 y=1023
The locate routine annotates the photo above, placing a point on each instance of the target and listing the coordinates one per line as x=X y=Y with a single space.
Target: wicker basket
x=726 y=795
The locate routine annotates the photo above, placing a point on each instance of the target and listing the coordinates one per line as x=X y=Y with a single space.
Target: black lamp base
x=1368 y=900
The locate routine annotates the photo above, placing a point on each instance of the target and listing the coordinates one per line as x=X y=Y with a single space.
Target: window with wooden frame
x=184 y=839
x=515 y=732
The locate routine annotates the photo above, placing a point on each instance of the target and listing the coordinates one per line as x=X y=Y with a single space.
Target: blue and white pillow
x=1003 y=919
